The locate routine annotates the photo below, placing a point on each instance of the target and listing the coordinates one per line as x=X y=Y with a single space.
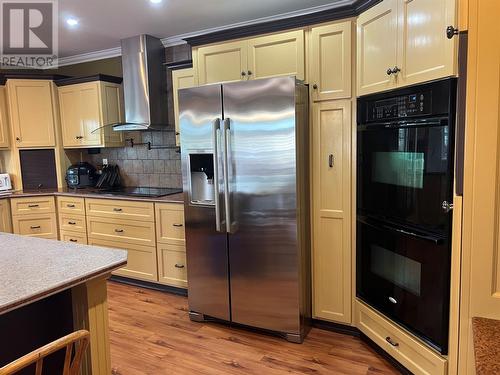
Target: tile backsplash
x=138 y=165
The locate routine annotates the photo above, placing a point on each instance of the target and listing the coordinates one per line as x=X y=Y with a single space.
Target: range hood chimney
x=144 y=84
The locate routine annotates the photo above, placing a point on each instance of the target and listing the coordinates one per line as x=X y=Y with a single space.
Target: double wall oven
x=405 y=150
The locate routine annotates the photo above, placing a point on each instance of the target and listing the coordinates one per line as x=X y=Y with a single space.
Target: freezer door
x=200 y=118
x=260 y=139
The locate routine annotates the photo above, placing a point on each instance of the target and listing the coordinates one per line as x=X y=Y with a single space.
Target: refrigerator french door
x=245 y=175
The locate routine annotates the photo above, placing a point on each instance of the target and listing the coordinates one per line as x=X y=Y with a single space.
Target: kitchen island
x=49 y=289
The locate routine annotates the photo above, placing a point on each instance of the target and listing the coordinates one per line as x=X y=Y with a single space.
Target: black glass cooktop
x=138 y=191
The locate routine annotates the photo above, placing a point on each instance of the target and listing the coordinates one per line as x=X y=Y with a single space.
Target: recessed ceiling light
x=72 y=21
x=155 y=1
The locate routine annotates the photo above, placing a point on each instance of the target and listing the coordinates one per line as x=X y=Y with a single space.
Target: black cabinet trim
x=336 y=13
x=96 y=77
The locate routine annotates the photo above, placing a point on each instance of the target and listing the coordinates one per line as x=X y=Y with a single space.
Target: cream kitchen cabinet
x=34 y=216
x=331 y=61
x=4 y=119
x=85 y=108
x=403 y=42
x=5 y=217
x=33 y=112
x=331 y=212
x=181 y=79
x=265 y=56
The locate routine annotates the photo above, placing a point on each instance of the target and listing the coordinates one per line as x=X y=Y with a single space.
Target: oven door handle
x=437 y=240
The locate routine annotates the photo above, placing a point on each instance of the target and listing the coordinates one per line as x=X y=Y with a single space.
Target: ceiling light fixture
x=155 y=1
x=72 y=21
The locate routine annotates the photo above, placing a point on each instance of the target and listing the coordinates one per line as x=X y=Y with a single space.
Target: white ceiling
x=102 y=23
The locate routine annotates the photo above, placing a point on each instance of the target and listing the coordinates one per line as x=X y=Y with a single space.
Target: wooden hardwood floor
x=150 y=333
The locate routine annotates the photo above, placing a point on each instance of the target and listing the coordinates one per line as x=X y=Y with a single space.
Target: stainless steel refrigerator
x=245 y=168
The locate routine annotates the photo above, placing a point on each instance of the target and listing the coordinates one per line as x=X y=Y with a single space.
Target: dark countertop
x=91 y=193
x=486 y=334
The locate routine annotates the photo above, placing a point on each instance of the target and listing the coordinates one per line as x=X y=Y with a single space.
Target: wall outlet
x=104 y=161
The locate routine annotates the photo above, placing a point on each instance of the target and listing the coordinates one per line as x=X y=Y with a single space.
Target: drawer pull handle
x=177 y=265
x=178 y=225
x=117 y=209
x=119 y=230
x=71 y=223
x=72 y=240
x=389 y=340
x=35 y=227
x=33 y=205
x=70 y=205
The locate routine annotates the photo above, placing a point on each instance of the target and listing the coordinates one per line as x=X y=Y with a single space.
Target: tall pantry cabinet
x=331 y=114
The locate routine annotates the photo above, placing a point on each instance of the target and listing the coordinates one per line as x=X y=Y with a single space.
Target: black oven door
x=405 y=275
x=404 y=171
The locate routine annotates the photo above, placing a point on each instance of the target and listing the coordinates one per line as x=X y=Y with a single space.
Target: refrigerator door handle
x=227 y=134
x=215 y=131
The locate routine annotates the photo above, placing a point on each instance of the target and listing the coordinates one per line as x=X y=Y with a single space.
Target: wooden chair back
x=79 y=339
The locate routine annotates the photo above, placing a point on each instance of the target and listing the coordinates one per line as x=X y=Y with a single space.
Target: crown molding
x=90 y=56
x=336 y=10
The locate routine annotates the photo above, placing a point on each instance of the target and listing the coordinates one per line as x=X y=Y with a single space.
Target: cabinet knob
x=177 y=265
x=243 y=74
x=70 y=205
x=250 y=73
x=73 y=240
x=33 y=205
x=35 y=227
x=315 y=86
x=119 y=230
x=451 y=32
x=395 y=70
x=390 y=341
x=389 y=71
x=71 y=223
x=177 y=225
x=79 y=137
x=117 y=209
x=330 y=160
x=18 y=139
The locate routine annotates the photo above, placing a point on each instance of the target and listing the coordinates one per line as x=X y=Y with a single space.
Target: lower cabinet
x=74 y=237
x=5 y=217
x=403 y=347
x=36 y=225
x=141 y=262
x=172 y=268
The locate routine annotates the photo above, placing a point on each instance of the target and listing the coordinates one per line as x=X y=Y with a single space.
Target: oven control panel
x=414 y=104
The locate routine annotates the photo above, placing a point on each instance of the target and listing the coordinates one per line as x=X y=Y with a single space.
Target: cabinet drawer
x=126 y=231
x=141 y=260
x=172 y=268
x=414 y=355
x=170 y=223
x=111 y=208
x=74 y=237
x=32 y=205
x=71 y=205
x=36 y=225
x=74 y=223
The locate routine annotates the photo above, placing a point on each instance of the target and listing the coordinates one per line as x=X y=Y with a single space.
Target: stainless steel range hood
x=144 y=84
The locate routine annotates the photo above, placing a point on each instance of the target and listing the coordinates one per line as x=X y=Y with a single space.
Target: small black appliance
x=81 y=175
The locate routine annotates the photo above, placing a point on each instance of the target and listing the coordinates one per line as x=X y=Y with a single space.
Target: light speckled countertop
x=91 y=193
x=34 y=268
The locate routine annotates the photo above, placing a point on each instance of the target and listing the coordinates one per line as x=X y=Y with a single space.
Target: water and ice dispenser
x=202 y=178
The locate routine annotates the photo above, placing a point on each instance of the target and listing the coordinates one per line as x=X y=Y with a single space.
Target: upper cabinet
x=4 y=119
x=277 y=55
x=85 y=108
x=181 y=79
x=32 y=112
x=222 y=62
x=266 y=56
x=330 y=61
x=403 y=42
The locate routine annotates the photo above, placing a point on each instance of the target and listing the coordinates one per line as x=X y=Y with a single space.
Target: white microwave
x=5 y=183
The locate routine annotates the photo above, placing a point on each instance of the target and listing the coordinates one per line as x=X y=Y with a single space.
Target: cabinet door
x=5 y=217
x=4 y=119
x=222 y=62
x=172 y=267
x=277 y=55
x=90 y=114
x=332 y=269
x=112 y=108
x=331 y=61
x=69 y=108
x=424 y=51
x=170 y=223
x=31 y=111
x=377 y=35
x=181 y=79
